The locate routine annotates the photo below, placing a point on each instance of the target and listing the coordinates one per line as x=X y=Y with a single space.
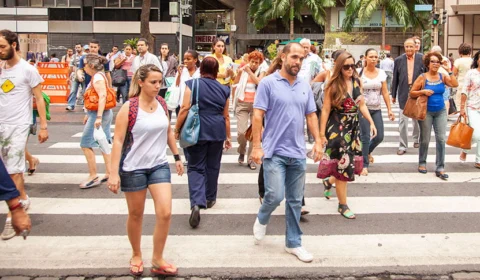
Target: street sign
x=423 y=8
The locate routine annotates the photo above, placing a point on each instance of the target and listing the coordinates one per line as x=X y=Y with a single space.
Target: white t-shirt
x=387 y=65
x=99 y=76
x=150 y=140
x=16 y=94
x=463 y=64
x=148 y=58
x=372 y=89
x=311 y=66
x=185 y=76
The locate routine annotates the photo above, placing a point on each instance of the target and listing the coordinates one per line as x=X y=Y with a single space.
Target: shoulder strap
x=163 y=103
x=132 y=113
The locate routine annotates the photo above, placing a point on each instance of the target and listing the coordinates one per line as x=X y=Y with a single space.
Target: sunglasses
x=434 y=61
x=348 y=66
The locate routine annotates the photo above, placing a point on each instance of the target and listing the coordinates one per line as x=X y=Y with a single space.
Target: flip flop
x=139 y=271
x=162 y=270
x=93 y=183
x=36 y=161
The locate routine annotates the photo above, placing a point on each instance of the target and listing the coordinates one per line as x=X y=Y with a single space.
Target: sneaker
x=25 y=203
x=300 y=253
x=8 y=231
x=69 y=108
x=259 y=231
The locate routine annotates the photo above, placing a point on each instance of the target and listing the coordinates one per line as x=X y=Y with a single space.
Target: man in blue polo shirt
x=284 y=100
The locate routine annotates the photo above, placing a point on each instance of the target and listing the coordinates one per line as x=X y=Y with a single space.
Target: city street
x=407 y=223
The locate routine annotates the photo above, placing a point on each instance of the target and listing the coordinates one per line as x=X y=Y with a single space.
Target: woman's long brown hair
x=337 y=85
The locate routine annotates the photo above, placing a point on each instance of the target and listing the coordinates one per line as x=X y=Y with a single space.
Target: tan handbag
x=249 y=134
x=460 y=134
x=416 y=108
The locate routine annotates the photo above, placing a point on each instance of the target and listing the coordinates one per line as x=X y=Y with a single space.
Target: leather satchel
x=460 y=134
x=191 y=128
x=416 y=108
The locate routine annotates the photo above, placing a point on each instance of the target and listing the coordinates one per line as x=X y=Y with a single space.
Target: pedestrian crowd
x=339 y=100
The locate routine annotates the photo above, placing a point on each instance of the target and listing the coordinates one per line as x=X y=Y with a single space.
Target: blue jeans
x=284 y=178
x=368 y=145
x=72 y=97
x=123 y=90
x=439 y=121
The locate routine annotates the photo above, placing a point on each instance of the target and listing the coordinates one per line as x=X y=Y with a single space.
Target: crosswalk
x=404 y=218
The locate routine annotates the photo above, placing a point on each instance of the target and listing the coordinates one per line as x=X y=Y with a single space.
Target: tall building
x=48 y=26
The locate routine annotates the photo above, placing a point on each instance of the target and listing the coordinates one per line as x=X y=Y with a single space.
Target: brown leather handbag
x=249 y=134
x=416 y=108
x=460 y=134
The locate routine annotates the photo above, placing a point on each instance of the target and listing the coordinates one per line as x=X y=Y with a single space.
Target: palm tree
x=401 y=10
x=263 y=11
x=145 y=24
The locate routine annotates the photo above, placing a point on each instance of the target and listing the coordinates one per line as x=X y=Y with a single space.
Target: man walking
x=74 y=80
x=19 y=81
x=68 y=57
x=144 y=57
x=284 y=100
x=94 y=47
x=312 y=64
x=406 y=70
x=387 y=65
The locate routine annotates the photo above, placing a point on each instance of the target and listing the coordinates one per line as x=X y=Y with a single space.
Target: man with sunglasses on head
x=406 y=70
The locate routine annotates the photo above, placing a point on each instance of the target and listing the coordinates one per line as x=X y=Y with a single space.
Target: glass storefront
x=33 y=46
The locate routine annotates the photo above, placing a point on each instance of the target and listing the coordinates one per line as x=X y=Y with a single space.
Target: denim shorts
x=87 y=140
x=137 y=180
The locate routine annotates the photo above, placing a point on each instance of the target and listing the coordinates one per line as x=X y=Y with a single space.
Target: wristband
x=12 y=208
x=177 y=157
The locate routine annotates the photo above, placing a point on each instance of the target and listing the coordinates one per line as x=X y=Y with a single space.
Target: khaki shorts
x=13 y=140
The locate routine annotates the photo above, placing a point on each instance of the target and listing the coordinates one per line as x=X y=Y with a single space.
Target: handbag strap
x=194 y=81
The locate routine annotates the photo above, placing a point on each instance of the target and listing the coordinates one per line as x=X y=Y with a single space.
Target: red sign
x=207 y=39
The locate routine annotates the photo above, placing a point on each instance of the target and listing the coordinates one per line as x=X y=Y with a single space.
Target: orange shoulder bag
x=91 y=97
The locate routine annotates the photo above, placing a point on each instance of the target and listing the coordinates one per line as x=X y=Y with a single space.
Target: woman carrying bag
x=470 y=105
x=99 y=115
x=214 y=134
x=432 y=84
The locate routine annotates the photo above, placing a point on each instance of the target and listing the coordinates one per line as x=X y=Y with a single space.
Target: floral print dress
x=343 y=156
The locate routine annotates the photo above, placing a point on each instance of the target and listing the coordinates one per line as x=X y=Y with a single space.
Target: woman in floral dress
x=340 y=130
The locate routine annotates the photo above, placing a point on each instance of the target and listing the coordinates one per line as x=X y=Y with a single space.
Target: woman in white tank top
x=139 y=162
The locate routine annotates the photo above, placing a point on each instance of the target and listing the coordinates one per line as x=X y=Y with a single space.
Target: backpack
x=132 y=118
x=91 y=97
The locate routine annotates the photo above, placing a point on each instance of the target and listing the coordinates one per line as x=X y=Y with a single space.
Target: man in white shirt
x=312 y=64
x=144 y=57
x=19 y=82
x=387 y=65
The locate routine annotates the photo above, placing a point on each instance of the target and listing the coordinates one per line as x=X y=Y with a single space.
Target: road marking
x=252 y=178
x=245 y=206
x=221 y=251
x=390 y=158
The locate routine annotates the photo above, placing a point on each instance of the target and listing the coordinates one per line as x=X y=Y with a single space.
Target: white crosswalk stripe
x=391 y=193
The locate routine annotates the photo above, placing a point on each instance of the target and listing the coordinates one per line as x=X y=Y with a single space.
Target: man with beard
x=406 y=70
x=284 y=100
x=18 y=82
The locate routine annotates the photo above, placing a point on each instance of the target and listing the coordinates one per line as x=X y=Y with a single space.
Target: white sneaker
x=259 y=231
x=300 y=253
x=8 y=231
x=25 y=203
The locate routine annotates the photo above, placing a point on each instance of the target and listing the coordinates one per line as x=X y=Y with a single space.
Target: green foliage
x=272 y=51
x=132 y=42
x=345 y=38
x=401 y=10
x=263 y=11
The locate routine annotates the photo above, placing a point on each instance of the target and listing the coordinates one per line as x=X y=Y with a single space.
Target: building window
x=123 y=14
x=137 y=3
x=100 y=3
x=36 y=3
x=64 y=14
x=20 y=3
x=62 y=3
x=127 y=3
x=49 y=3
x=113 y=3
x=75 y=3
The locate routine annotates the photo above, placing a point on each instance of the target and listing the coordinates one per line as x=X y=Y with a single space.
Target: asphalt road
x=407 y=223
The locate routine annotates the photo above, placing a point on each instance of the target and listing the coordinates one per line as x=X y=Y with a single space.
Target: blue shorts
x=87 y=137
x=137 y=180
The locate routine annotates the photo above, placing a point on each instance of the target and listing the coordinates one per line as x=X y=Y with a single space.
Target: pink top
x=127 y=65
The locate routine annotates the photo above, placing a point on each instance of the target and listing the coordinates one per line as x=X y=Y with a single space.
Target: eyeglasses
x=435 y=61
x=348 y=66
